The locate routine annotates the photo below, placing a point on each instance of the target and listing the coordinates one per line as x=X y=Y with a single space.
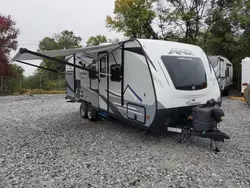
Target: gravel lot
x=45 y=143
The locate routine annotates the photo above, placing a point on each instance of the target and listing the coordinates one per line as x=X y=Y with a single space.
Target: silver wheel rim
x=82 y=112
x=89 y=113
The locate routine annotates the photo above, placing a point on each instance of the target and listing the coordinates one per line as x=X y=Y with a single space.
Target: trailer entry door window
x=103 y=67
x=187 y=73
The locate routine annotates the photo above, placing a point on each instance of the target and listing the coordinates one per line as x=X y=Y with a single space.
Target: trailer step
x=71 y=101
x=103 y=114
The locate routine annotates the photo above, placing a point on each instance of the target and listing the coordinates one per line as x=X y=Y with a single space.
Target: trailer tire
x=84 y=110
x=244 y=93
x=247 y=94
x=226 y=92
x=92 y=113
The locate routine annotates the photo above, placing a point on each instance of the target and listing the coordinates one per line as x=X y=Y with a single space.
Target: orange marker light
x=147 y=117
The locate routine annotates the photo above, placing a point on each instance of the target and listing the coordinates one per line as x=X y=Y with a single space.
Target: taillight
x=245 y=84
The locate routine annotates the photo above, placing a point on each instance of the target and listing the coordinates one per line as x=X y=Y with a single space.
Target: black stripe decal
x=69 y=87
x=150 y=72
x=136 y=50
x=146 y=55
x=128 y=86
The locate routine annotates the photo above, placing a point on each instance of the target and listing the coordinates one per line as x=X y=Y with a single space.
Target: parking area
x=45 y=143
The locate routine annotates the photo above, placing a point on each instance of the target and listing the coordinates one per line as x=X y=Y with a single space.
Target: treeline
x=48 y=80
x=220 y=27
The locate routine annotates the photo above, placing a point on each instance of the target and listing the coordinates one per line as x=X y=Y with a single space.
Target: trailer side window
x=103 y=67
x=116 y=72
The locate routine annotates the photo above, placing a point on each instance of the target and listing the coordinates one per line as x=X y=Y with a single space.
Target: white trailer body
x=224 y=71
x=151 y=84
x=245 y=74
x=160 y=78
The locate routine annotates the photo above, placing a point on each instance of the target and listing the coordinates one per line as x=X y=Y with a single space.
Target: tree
x=8 y=42
x=183 y=20
x=12 y=84
x=63 y=40
x=116 y=40
x=17 y=70
x=134 y=18
x=4 y=66
x=8 y=34
x=95 y=41
x=220 y=27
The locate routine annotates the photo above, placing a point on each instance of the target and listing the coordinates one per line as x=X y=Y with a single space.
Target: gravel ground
x=45 y=143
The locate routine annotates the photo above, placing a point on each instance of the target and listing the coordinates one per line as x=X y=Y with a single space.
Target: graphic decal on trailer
x=133 y=92
x=181 y=51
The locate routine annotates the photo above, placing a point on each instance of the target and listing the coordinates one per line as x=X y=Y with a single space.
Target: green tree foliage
x=96 y=40
x=16 y=80
x=220 y=27
x=116 y=40
x=63 y=40
x=12 y=84
x=43 y=79
x=4 y=64
x=227 y=33
x=183 y=19
x=215 y=25
x=17 y=70
x=34 y=82
x=134 y=18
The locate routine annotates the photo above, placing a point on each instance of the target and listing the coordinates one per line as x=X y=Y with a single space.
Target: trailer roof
x=67 y=52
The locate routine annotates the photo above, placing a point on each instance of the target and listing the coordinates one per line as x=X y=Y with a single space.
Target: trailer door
x=70 y=84
x=103 y=81
x=228 y=75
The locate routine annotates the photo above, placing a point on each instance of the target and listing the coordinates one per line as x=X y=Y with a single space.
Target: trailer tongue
x=203 y=123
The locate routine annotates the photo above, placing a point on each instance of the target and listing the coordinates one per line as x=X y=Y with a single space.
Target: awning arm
x=37 y=66
x=24 y=50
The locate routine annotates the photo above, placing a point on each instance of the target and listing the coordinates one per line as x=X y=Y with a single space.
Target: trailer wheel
x=226 y=93
x=244 y=94
x=84 y=110
x=92 y=113
x=247 y=94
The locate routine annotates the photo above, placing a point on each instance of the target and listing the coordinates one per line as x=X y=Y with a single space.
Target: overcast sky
x=39 y=18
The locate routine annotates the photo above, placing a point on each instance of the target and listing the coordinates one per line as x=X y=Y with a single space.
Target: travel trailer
x=245 y=74
x=224 y=71
x=152 y=84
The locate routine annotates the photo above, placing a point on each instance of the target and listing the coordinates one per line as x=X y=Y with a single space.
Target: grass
x=237 y=98
x=41 y=91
